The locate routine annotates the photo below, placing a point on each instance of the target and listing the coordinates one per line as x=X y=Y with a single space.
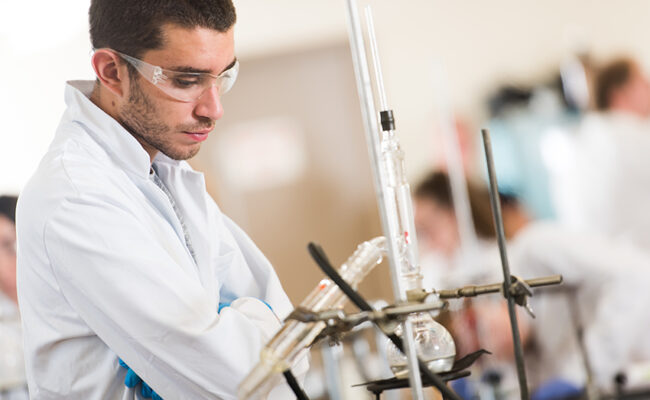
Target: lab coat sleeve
x=262 y=281
x=546 y=248
x=152 y=314
x=610 y=278
x=267 y=286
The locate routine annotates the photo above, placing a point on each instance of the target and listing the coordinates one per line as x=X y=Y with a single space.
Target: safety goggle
x=184 y=86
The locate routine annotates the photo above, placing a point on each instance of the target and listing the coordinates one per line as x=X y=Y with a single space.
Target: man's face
x=638 y=93
x=436 y=227
x=7 y=257
x=162 y=123
x=634 y=96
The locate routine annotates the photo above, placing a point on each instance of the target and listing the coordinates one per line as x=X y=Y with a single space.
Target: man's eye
x=186 y=82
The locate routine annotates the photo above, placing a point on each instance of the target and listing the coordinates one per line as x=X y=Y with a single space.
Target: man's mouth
x=198 y=135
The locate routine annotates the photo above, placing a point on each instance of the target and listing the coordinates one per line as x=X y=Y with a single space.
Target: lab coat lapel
x=188 y=189
x=160 y=202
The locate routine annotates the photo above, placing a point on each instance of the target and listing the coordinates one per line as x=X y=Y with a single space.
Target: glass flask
x=433 y=343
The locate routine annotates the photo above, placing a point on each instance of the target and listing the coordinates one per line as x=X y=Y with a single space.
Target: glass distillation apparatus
x=433 y=342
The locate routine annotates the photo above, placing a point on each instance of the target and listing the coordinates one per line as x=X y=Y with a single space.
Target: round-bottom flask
x=433 y=343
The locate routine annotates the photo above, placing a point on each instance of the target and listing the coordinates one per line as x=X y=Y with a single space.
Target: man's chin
x=182 y=154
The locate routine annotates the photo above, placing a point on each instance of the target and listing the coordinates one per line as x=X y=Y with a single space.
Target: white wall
x=42 y=44
x=481 y=43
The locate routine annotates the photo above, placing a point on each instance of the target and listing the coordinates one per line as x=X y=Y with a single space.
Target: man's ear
x=110 y=70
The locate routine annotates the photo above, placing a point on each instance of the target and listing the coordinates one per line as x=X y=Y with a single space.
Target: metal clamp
x=520 y=291
x=338 y=322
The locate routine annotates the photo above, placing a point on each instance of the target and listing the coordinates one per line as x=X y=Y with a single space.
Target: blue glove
x=464 y=388
x=556 y=389
x=132 y=379
x=227 y=304
x=223 y=305
x=268 y=305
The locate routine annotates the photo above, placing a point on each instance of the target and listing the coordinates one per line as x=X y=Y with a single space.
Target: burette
x=396 y=213
x=364 y=88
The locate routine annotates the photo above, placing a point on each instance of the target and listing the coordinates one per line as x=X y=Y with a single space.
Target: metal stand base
x=458 y=371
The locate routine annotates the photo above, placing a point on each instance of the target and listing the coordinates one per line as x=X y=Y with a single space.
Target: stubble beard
x=139 y=117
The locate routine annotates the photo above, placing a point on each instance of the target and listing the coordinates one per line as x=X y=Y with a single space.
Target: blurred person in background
x=605 y=280
x=12 y=365
x=606 y=187
x=475 y=322
x=528 y=124
x=8 y=248
x=531 y=126
x=622 y=87
x=437 y=229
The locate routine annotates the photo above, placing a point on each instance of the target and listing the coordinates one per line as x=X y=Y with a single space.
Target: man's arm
x=136 y=297
x=259 y=280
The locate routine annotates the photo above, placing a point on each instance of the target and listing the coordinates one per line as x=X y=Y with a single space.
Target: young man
x=604 y=184
x=124 y=260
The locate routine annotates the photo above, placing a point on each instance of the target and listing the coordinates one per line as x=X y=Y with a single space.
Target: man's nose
x=209 y=104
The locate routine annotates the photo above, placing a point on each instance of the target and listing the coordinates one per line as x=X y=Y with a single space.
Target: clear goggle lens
x=184 y=86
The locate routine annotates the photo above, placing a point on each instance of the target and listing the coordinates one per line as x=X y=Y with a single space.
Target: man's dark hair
x=610 y=78
x=437 y=188
x=8 y=207
x=135 y=26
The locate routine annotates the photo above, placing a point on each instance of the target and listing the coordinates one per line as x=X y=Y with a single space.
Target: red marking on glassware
x=322 y=286
x=406 y=237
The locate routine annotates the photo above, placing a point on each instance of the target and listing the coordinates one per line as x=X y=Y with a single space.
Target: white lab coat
x=605 y=182
x=464 y=267
x=611 y=279
x=104 y=272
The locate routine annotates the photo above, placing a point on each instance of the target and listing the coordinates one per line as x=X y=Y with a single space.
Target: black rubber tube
x=294 y=385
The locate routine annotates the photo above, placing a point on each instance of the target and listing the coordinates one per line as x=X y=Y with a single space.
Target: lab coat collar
x=161 y=158
x=120 y=144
